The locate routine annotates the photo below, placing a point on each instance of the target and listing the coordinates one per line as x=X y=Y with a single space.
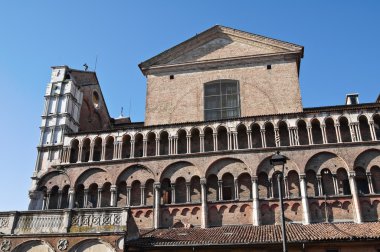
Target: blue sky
x=341 y=40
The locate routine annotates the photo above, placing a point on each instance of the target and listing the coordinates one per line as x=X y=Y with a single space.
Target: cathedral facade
x=196 y=174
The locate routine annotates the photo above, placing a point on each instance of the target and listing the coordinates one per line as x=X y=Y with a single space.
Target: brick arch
x=92 y=175
x=267 y=168
x=134 y=172
x=180 y=169
x=34 y=246
x=54 y=178
x=368 y=159
x=232 y=165
x=323 y=160
x=95 y=244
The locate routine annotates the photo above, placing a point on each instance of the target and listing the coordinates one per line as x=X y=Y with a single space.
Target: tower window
x=221 y=99
x=269 y=67
x=171 y=77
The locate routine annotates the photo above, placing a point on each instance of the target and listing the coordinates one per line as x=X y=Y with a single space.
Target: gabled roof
x=220 y=42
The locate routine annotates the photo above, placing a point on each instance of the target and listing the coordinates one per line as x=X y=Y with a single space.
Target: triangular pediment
x=218 y=43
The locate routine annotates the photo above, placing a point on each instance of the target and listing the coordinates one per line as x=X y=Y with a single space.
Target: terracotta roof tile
x=244 y=235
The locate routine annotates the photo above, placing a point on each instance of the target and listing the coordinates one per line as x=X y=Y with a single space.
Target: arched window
x=97 y=154
x=53 y=198
x=221 y=99
x=182 y=142
x=122 y=194
x=375 y=174
x=284 y=134
x=195 y=189
x=208 y=140
x=344 y=130
x=126 y=147
x=330 y=131
x=365 y=132
x=195 y=143
x=228 y=187
x=212 y=188
x=139 y=145
x=361 y=180
x=151 y=144
x=180 y=190
x=343 y=183
x=327 y=182
x=316 y=132
x=85 y=150
x=245 y=186
x=164 y=143
x=242 y=136
x=222 y=138
x=166 y=191
x=293 y=184
x=311 y=183
x=149 y=192
x=376 y=124
x=256 y=136
x=109 y=148
x=92 y=198
x=79 y=197
x=264 y=186
x=303 y=136
x=65 y=197
x=136 y=193
x=106 y=195
x=74 y=151
x=269 y=135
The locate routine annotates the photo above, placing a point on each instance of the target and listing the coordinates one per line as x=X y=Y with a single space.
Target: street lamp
x=279 y=160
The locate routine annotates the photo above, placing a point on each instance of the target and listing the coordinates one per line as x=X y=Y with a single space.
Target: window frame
x=220 y=108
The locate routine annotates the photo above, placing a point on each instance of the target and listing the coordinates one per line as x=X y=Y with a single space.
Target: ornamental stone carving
x=5 y=245
x=62 y=244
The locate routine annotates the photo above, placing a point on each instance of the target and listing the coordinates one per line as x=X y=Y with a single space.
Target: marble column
x=59 y=199
x=128 y=196
x=99 y=203
x=355 y=198
x=215 y=140
x=71 y=198
x=156 y=217
x=204 y=216
x=142 y=196
x=320 y=189
x=202 y=143
x=277 y=136
x=188 y=192
x=113 y=190
x=263 y=140
x=236 y=187
x=173 y=193
x=305 y=203
x=249 y=137
x=220 y=190
x=255 y=202
x=370 y=184
x=157 y=146
x=188 y=144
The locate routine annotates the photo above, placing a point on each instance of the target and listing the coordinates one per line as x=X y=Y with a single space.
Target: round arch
x=92 y=245
x=34 y=246
x=180 y=169
x=232 y=165
x=92 y=175
x=137 y=171
x=368 y=159
x=324 y=160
